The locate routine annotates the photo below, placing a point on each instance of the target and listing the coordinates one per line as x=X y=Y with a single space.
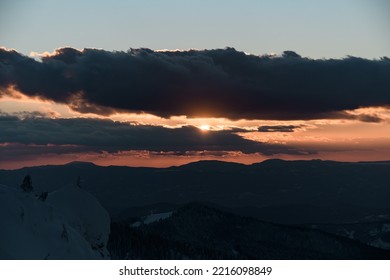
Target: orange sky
x=341 y=140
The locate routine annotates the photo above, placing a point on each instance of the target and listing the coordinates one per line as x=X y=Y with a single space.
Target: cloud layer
x=208 y=83
x=92 y=135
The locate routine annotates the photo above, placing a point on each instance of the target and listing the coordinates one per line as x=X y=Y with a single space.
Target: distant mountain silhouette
x=211 y=165
x=81 y=164
x=275 y=190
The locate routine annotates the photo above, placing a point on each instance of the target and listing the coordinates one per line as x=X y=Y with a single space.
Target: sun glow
x=205 y=127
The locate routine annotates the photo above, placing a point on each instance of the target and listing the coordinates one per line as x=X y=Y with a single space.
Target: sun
x=205 y=127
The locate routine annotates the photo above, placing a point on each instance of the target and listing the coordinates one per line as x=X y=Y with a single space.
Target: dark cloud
x=278 y=128
x=16 y=151
x=26 y=115
x=194 y=153
x=93 y=135
x=369 y=118
x=218 y=83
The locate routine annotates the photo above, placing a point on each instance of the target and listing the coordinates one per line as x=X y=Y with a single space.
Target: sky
x=162 y=83
x=317 y=29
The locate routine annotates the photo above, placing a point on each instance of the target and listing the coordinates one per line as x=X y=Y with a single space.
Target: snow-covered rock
x=32 y=229
x=152 y=218
x=85 y=214
x=156 y=217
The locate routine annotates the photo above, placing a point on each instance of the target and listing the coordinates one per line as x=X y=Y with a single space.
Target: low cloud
x=217 y=83
x=93 y=135
x=278 y=128
x=27 y=115
x=369 y=118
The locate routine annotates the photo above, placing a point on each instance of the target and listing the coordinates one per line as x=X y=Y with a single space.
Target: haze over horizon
x=146 y=84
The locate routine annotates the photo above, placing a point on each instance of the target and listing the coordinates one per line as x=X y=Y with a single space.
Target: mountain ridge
x=210 y=163
x=273 y=183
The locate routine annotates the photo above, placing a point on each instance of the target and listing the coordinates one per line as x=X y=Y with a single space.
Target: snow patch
x=386 y=227
x=380 y=244
x=152 y=218
x=85 y=214
x=32 y=229
x=157 y=217
x=349 y=233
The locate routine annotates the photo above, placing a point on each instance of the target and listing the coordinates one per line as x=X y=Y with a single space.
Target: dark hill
x=313 y=187
x=197 y=231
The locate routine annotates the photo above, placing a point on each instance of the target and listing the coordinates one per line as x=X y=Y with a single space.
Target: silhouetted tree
x=27 y=184
x=43 y=196
x=64 y=234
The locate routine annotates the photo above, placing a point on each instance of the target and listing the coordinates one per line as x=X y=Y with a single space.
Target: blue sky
x=333 y=28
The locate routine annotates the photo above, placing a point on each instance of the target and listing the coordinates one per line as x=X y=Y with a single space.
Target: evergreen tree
x=64 y=234
x=43 y=196
x=27 y=184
